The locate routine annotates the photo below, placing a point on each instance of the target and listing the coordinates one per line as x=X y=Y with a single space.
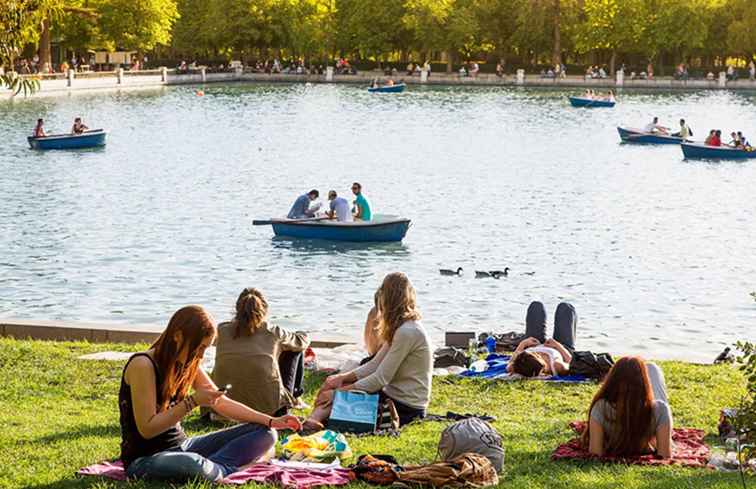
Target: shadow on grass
x=84 y=431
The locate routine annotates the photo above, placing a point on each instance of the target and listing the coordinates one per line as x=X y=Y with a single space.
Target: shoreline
x=98 y=81
x=93 y=332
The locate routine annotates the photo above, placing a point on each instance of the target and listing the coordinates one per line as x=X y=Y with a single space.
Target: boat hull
x=705 y=152
x=88 y=139
x=637 y=136
x=590 y=103
x=361 y=232
x=392 y=89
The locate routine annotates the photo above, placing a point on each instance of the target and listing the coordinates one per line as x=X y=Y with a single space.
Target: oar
x=262 y=222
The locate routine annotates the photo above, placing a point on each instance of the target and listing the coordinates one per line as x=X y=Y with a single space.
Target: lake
x=656 y=253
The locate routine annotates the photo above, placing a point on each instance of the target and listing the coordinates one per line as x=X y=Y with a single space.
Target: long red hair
x=175 y=379
x=627 y=389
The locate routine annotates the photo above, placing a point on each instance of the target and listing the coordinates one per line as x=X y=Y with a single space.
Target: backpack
x=472 y=435
x=466 y=470
x=593 y=365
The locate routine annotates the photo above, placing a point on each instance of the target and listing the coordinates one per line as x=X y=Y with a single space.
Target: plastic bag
x=323 y=446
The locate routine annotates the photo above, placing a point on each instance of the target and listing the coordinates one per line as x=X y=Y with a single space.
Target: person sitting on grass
x=536 y=355
x=155 y=396
x=630 y=414
x=264 y=363
x=401 y=370
x=371 y=335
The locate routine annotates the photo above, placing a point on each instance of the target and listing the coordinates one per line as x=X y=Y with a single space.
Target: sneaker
x=300 y=404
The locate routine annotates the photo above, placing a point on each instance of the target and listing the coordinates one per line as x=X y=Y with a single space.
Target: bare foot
x=312 y=426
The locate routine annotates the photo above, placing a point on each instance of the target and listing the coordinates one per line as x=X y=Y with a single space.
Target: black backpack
x=589 y=364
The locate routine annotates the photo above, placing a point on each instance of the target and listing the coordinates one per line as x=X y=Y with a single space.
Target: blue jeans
x=211 y=457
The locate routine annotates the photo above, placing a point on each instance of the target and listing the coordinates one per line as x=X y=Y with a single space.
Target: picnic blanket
x=689 y=450
x=497 y=370
x=286 y=475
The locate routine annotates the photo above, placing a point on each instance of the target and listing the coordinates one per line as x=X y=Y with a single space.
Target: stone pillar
x=203 y=74
x=329 y=73
x=71 y=74
x=424 y=76
x=722 y=79
x=163 y=74
x=521 y=77
x=238 y=72
x=119 y=75
x=620 y=80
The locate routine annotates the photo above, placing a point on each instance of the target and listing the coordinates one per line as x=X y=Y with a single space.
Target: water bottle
x=472 y=350
x=491 y=344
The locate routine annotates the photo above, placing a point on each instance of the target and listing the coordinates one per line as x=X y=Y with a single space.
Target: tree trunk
x=45 y=51
x=556 y=57
x=449 y=62
x=612 y=64
x=661 y=63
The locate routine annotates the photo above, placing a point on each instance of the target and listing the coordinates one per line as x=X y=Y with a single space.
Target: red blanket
x=689 y=451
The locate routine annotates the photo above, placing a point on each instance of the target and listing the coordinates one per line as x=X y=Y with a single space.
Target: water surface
x=656 y=253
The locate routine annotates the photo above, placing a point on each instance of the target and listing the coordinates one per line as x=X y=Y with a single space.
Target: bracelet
x=270 y=422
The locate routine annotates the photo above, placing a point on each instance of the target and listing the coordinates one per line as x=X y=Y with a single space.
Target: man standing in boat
x=301 y=208
x=339 y=208
x=361 y=205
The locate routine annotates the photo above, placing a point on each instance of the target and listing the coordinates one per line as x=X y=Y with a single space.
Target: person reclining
x=536 y=355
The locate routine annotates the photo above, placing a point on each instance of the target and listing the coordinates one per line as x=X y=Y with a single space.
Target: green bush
x=745 y=421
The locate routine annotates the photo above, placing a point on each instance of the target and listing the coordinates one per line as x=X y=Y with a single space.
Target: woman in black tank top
x=155 y=396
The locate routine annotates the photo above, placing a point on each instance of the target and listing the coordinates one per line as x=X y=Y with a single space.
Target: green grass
x=58 y=413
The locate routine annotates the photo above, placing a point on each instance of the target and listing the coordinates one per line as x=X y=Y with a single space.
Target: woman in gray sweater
x=403 y=367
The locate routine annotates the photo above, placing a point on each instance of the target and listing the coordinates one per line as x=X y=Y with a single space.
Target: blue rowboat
x=589 y=102
x=629 y=135
x=398 y=88
x=87 y=139
x=381 y=229
x=706 y=152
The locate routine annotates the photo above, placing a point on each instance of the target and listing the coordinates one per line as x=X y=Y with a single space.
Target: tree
x=372 y=29
x=138 y=25
x=612 y=25
x=19 y=21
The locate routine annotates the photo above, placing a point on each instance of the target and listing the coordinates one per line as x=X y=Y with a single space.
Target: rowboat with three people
x=701 y=151
x=591 y=102
x=381 y=228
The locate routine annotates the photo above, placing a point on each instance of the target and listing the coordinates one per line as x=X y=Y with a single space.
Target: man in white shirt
x=339 y=208
x=654 y=127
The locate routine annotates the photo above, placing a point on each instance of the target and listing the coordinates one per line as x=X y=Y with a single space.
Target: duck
x=725 y=357
x=529 y=273
x=500 y=273
x=446 y=271
x=479 y=274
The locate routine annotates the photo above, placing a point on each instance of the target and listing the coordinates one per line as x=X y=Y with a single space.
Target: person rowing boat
x=685 y=131
x=655 y=128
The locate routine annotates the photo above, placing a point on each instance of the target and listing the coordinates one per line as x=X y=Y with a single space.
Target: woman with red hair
x=155 y=397
x=630 y=414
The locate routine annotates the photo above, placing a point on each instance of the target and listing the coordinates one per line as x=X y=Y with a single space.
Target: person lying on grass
x=630 y=414
x=536 y=355
x=401 y=370
x=154 y=398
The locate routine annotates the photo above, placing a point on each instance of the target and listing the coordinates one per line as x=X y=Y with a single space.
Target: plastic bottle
x=491 y=344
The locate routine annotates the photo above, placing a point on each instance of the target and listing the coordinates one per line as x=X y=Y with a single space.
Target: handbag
x=354 y=412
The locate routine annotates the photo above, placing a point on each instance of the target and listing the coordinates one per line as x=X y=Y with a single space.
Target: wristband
x=270 y=423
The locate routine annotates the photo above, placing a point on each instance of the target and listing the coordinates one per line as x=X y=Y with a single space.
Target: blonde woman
x=264 y=363
x=371 y=336
x=402 y=368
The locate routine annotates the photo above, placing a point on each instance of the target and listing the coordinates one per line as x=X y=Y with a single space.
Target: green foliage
x=745 y=421
x=138 y=25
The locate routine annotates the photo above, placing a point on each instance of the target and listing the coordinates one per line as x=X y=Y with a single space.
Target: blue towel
x=497 y=367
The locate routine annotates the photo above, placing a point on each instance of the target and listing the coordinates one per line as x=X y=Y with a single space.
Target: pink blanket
x=690 y=450
x=286 y=477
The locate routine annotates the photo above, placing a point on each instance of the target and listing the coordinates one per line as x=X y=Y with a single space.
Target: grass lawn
x=58 y=413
